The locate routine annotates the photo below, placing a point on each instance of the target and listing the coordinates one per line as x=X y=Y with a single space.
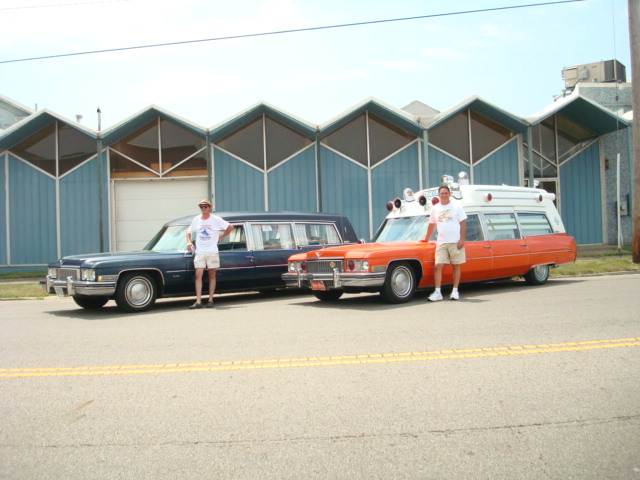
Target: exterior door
x=510 y=251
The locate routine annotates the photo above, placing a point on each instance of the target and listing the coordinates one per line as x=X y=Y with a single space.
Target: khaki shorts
x=449 y=253
x=206 y=260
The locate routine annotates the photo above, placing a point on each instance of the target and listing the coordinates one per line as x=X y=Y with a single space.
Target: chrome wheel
x=400 y=284
x=538 y=275
x=136 y=292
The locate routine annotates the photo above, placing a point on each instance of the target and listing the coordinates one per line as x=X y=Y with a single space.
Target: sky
x=512 y=58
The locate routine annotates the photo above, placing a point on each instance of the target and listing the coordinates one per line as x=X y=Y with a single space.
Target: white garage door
x=142 y=207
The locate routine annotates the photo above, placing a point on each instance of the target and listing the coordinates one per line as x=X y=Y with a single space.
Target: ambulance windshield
x=407 y=229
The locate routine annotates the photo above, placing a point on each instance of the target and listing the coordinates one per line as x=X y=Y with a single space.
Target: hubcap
x=401 y=282
x=138 y=292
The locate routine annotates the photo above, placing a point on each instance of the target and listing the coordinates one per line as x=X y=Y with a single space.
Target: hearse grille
x=63 y=273
x=324 y=265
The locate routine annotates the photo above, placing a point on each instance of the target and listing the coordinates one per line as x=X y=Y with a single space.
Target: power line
x=297 y=30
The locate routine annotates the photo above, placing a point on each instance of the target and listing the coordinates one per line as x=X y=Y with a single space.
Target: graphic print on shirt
x=445 y=216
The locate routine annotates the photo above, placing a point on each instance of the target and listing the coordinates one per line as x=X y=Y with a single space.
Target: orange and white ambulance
x=511 y=232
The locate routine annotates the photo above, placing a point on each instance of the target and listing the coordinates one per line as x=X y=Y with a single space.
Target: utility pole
x=634 y=38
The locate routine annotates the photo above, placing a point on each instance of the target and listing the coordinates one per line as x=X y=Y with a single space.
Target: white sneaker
x=435 y=297
x=454 y=296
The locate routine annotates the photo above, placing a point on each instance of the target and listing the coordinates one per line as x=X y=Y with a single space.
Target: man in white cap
x=208 y=229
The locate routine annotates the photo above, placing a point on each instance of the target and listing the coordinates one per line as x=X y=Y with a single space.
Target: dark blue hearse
x=252 y=258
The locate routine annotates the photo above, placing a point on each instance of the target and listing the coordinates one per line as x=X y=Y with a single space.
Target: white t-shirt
x=447 y=218
x=207 y=232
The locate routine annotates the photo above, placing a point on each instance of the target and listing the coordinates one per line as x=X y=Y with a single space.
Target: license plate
x=318 y=286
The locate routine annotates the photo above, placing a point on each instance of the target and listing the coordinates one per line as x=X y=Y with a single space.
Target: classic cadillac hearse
x=253 y=257
x=511 y=231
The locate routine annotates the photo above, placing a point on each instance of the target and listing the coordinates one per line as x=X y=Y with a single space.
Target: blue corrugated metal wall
x=389 y=179
x=440 y=164
x=3 y=211
x=500 y=167
x=32 y=206
x=292 y=185
x=581 y=191
x=238 y=186
x=79 y=210
x=344 y=190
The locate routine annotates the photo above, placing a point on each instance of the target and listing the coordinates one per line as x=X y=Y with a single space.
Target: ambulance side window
x=534 y=224
x=502 y=226
x=474 y=229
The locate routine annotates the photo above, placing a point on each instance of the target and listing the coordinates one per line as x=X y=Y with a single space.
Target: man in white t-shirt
x=208 y=229
x=450 y=219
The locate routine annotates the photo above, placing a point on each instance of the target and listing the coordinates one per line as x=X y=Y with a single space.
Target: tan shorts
x=449 y=253
x=206 y=260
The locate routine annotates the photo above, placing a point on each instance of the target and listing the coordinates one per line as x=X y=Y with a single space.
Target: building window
x=142 y=147
x=486 y=136
x=159 y=149
x=571 y=137
x=73 y=147
x=351 y=140
x=385 y=139
x=246 y=143
x=282 y=142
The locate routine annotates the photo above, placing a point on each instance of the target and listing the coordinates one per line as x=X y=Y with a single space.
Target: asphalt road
x=511 y=382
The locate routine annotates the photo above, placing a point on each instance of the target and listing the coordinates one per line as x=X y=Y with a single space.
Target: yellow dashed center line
x=320 y=361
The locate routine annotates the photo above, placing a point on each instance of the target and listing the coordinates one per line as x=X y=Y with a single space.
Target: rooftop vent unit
x=606 y=71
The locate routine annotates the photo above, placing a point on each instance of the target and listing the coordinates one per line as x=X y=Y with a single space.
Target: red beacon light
x=488 y=197
x=435 y=200
x=389 y=206
x=538 y=197
x=397 y=203
x=422 y=200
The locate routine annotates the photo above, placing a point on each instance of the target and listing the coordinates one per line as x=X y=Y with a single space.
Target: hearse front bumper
x=70 y=287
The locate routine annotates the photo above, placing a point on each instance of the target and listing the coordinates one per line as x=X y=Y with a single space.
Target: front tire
x=328 y=295
x=538 y=275
x=90 y=303
x=136 y=292
x=400 y=284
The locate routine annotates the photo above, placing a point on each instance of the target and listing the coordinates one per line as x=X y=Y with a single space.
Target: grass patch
x=29 y=274
x=591 y=266
x=21 y=290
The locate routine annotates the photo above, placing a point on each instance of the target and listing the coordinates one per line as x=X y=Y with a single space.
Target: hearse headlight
x=88 y=274
x=52 y=272
x=358 y=265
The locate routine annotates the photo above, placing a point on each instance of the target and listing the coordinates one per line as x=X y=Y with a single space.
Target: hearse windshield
x=169 y=239
x=405 y=229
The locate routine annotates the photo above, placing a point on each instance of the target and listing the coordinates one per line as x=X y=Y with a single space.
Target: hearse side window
x=236 y=240
x=272 y=236
x=317 y=233
x=502 y=226
x=534 y=224
x=474 y=229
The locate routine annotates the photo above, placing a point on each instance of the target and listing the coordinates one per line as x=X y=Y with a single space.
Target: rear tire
x=328 y=295
x=136 y=292
x=90 y=303
x=538 y=275
x=400 y=284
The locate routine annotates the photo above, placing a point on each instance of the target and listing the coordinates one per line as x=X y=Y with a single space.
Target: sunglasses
x=202 y=207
